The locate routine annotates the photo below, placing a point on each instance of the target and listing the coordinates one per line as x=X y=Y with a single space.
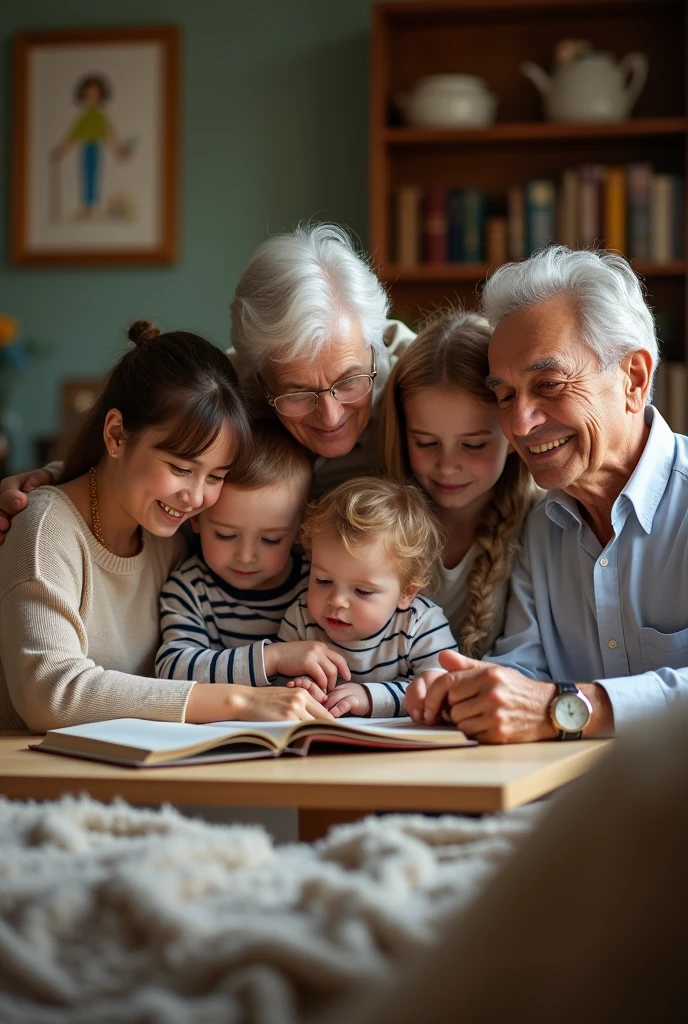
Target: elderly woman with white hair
x=311 y=339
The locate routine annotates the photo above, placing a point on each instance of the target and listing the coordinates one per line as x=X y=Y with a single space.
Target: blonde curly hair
x=451 y=350
x=367 y=509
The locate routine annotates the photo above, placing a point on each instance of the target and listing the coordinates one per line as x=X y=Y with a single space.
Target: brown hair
x=368 y=509
x=273 y=456
x=175 y=378
x=451 y=351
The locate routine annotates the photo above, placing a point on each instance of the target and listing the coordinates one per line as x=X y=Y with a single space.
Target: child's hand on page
x=306 y=658
x=349 y=698
x=414 y=700
x=306 y=683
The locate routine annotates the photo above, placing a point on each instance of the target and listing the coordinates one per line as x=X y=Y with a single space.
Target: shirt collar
x=650 y=477
x=644 y=488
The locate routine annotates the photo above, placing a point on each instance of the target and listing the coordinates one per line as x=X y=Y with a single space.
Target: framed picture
x=94 y=146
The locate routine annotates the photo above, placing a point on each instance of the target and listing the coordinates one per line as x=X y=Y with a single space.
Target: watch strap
x=567 y=688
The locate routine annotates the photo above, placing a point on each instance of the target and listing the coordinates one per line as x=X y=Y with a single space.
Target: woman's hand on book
x=310 y=658
x=347 y=698
x=219 y=702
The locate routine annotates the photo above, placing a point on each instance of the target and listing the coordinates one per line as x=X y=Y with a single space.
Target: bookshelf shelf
x=439 y=272
x=536 y=131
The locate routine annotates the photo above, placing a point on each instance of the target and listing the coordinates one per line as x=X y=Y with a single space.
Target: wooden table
x=326 y=788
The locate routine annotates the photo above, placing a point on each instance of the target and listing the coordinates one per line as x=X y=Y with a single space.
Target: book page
x=140 y=733
x=401 y=731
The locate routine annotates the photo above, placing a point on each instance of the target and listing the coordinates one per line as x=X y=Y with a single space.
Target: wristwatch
x=570 y=711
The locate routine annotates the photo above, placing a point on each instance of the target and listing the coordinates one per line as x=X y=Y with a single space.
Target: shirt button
x=604 y=561
x=612 y=644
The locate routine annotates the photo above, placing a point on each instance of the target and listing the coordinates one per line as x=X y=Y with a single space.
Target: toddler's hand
x=349 y=697
x=306 y=683
x=414 y=700
x=306 y=658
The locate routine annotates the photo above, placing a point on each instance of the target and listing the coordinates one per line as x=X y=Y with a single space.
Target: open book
x=138 y=743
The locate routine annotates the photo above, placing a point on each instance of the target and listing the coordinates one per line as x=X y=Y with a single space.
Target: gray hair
x=614 y=317
x=295 y=291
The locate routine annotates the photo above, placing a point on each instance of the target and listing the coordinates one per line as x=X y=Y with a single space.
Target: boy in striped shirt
x=374 y=546
x=218 y=611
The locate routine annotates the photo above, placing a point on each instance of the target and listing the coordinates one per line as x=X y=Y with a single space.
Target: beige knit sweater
x=79 y=626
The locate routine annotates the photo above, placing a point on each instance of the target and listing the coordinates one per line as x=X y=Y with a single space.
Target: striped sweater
x=385 y=663
x=213 y=632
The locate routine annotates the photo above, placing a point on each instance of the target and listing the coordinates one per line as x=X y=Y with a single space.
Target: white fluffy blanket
x=114 y=914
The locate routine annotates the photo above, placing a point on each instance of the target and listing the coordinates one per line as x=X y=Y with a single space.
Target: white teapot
x=592 y=87
x=448 y=101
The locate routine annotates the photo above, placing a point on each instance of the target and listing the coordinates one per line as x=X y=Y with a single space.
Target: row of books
x=671 y=395
x=629 y=209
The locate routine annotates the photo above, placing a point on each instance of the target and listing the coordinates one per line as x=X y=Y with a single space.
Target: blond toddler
x=374 y=545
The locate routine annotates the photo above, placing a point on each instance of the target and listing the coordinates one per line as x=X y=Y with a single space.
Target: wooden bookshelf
x=534 y=131
x=491 y=38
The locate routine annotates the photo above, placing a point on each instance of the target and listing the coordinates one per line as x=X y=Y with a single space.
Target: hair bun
x=142 y=331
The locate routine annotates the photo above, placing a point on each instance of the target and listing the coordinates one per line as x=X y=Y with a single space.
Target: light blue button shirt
x=617 y=615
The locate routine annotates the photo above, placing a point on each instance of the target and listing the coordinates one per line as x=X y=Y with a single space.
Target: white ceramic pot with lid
x=449 y=101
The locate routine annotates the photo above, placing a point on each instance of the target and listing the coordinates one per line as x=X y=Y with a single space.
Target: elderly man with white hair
x=596 y=632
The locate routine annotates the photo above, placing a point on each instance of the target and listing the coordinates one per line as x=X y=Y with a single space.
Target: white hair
x=296 y=291
x=614 y=317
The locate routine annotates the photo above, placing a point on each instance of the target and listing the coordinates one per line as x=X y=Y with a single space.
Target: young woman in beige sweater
x=81 y=572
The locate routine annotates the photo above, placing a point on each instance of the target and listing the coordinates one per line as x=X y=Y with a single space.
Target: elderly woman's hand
x=13 y=495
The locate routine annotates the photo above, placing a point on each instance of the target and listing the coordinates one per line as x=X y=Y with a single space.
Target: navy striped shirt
x=385 y=663
x=213 y=632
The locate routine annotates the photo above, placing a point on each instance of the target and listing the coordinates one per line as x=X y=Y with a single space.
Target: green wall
x=274 y=128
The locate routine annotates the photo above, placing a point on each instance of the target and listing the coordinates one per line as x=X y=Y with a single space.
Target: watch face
x=571 y=712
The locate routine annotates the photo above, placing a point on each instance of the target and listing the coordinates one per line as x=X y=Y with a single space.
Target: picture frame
x=95 y=146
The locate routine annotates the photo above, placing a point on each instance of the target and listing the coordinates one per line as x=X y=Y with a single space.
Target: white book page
x=142 y=734
x=400 y=729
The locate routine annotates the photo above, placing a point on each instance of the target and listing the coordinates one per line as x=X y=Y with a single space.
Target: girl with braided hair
x=440 y=425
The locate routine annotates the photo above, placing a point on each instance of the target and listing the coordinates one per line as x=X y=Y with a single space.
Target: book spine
x=639 y=178
x=589 y=212
x=474 y=225
x=496 y=249
x=660 y=218
x=567 y=232
x=408 y=225
x=678 y=232
x=516 y=218
x=540 y=199
x=615 y=210
x=435 y=247
x=455 y=225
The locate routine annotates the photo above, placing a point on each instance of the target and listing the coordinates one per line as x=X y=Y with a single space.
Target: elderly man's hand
x=490 y=703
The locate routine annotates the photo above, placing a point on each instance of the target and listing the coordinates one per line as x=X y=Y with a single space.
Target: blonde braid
x=498 y=535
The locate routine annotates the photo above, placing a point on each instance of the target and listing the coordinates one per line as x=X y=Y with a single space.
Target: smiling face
x=352 y=596
x=569 y=420
x=247 y=536
x=456 y=446
x=158 y=490
x=332 y=428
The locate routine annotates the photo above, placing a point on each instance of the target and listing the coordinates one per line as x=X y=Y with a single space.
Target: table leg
x=315 y=822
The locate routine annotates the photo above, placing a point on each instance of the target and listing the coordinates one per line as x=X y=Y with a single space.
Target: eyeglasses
x=300 y=403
